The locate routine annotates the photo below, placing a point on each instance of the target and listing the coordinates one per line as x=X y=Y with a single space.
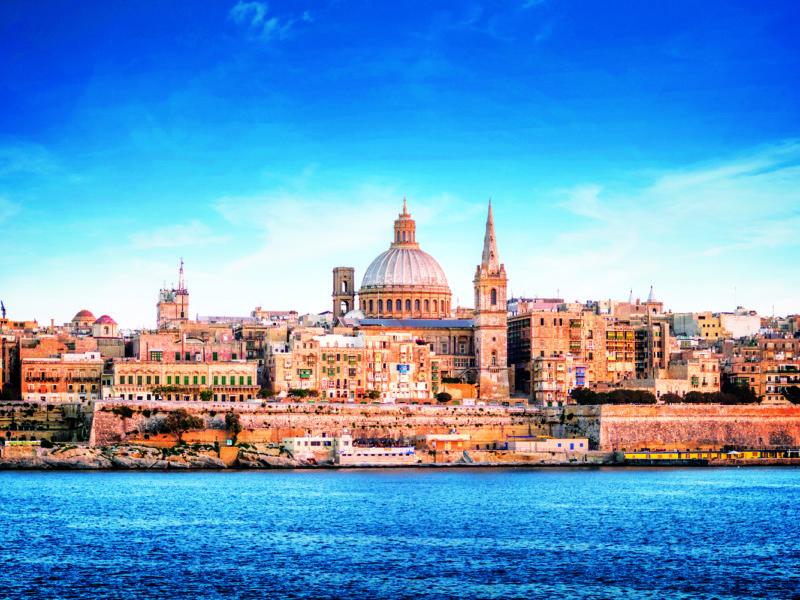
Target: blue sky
x=623 y=144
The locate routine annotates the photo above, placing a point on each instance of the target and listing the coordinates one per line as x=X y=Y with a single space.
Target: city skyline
x=265 y=144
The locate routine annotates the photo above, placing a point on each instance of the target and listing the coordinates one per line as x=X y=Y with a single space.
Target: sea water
x=402 y=533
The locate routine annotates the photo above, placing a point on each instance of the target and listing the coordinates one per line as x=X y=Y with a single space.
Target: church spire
x=489 y=258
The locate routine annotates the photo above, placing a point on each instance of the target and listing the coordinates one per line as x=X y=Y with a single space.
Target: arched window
x=364 y=305
x=427 y=306
x=494 y=297
x=398 y=305
x=416 y=305
x=404 y=236
x=388 y=306
x=398 y=236
x=494 y=358
x=344 y=286
x=370 y=307
x=380 y=306
x=343 y=308
x=105 y=330
x=408 y=305
x=435 y=306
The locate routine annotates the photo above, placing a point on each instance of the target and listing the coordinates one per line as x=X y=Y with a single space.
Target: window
x=121 y=381
x=224 y=379
x=188 y=356
x=177 y=356
x=249 y=380
x=216 y=380
x=148 y=380
x=427 y=306
x=416 y=305
x=130 y=379
x=388 y=306
x=213 y=356
x=185 y=380
x=241 y=379
x=435 y=306
x=138 y=380
x=408 y=305
x=370 y=306
x=202 y=379
x=194 y=380
x=494 y=297
x=158 y=379
x=156 y=355
x=169 y=379
x=380 y=306
x=234 y=356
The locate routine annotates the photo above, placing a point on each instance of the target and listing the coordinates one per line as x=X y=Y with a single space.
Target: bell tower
x=344 y=294
x=491 y=319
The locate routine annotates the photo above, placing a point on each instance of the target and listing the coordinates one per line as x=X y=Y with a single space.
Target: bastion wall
x=684 y=427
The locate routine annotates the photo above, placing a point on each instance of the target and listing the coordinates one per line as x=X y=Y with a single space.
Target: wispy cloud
x=255 y=18
x=26 y=158
x=678 y=227
x=193 y=233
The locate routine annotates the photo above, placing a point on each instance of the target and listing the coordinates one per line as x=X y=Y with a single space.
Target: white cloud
x=193 y=233
x=693 y=232
x=253 y=15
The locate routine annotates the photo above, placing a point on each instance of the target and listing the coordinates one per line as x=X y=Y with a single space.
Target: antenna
x=180 y=277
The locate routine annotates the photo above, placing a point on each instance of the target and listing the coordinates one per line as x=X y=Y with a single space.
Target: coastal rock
x=249 y=459
x=76 y=458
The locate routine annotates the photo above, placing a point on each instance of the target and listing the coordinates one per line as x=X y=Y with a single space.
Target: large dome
x=404 y=267
x=404 y=282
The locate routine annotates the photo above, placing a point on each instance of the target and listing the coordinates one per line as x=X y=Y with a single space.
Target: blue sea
x=478 y=533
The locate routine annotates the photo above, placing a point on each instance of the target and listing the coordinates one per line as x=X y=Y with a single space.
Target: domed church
x=404 y=282
x=404 y=288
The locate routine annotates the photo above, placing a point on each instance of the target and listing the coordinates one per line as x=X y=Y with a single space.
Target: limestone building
x=172 y=309
x=405 y=291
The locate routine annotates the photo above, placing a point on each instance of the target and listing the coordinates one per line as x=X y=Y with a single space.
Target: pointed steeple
x=651 y=297
x=630 y=300
x=489 y=259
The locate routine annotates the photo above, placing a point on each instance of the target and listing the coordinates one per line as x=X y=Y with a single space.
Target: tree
x=583 y=396
x=124 y=412
x=232 y=424
x=297 y=393
x=206 y=395
x=670 y=398
x=792 y=394
x=443 y=397
x=372 y=394
x=266 y=393
x=180 y=421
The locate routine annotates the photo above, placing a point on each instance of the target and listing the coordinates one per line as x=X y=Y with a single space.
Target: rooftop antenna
x=180 y=277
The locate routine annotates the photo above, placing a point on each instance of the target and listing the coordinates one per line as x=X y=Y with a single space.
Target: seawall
x=683 y=426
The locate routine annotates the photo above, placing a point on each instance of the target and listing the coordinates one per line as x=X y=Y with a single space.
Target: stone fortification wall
x=276 y=421
x=692 y=426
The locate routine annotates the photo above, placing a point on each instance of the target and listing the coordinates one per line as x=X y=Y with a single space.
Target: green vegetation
x=206 y=395
x=266 y=393
x=232 y=424
x=587 y=397
x=792 y=394
x=124 y=412
x=372 y=394
x=180 y=421
x=47 y=443
x=443 y=397
x=146 y=413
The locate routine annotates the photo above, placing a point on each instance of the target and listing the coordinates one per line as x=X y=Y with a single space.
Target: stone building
x=345 y=367
x=234 y=381
x=63 y=378
x=491 y=327
x=405 y=291
x=172 y=309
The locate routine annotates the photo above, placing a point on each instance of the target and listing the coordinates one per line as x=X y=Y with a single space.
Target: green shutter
x=158 y=379
x=122 y=379
x=224 y=379
x=194 y=380
x=249 y=380
x=177 y=356
x=169 y=379
x=233 y=356
x=203 y=379
x=185 y=380
x=214 y=356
